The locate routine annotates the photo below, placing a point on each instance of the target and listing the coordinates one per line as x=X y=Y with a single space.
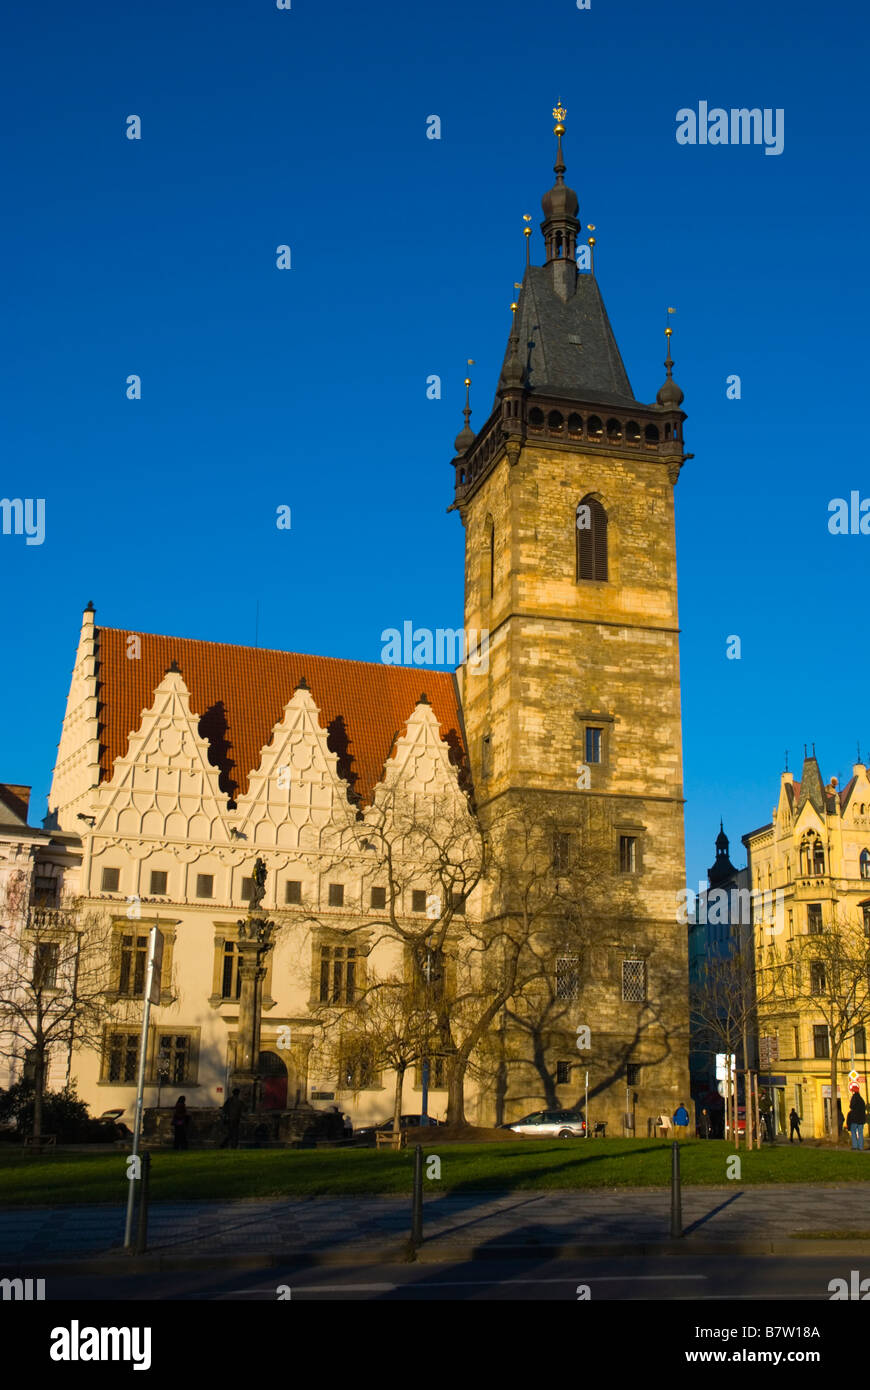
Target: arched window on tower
x=864 y=863
x=591 y=532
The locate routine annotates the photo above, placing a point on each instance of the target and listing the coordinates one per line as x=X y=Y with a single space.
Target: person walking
x=857 y=1119
x=704 y=1124
x=681 y=1121
x=794 y=1126
x=233 y=1109
x=179 y=1124
x=841 y=1120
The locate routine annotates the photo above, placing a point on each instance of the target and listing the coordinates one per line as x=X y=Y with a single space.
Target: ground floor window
x=173 y=1059
x=122 y=1057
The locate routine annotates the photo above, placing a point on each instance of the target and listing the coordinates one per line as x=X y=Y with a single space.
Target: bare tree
x=385 y=1028
x=54 y=977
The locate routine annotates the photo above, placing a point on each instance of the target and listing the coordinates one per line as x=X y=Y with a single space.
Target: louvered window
x=591 y=540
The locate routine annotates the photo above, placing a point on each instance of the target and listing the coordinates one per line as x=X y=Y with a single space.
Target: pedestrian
x=794 y=1126
x=857 y=1119
x=179 y=1124
x=681 y=1121
x=348 y=1126
x=841 y=1120
x=233 y=1108
x=704 y=1124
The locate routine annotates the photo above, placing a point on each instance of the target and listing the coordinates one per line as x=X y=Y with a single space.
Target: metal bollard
x=676 y=1196
x=142 y=1227
x=417 y=1199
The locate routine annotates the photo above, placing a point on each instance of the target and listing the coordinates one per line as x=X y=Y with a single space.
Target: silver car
x=550 y=1124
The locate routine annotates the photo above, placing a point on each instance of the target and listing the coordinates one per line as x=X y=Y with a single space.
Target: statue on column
x=253 y=946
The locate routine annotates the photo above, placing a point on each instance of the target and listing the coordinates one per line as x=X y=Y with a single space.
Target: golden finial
x=590 y=227
x=527 y=232
x=514 y=307
x=559 y=114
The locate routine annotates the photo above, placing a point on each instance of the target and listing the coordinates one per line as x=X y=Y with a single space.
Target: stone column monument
x=254 y=944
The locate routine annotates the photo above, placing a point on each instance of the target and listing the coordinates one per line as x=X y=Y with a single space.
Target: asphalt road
x=664 y=1278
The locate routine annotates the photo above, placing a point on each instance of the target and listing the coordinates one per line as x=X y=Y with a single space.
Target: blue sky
x=307 y=388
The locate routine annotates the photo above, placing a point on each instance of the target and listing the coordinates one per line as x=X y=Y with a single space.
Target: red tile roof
x=240 y=693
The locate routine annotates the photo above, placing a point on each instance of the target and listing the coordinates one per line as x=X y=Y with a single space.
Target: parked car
x=366 y=1135
x=115 y=1127
x=550 y=1124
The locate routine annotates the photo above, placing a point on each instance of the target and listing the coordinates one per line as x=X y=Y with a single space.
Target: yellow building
x=814 y=856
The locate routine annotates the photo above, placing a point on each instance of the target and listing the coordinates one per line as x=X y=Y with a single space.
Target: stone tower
x=567 y=499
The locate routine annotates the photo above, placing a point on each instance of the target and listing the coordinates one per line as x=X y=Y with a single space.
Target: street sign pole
x=586 y=1109
x=152 y=996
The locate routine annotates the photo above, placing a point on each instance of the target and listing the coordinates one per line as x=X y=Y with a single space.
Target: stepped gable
x=240 y=693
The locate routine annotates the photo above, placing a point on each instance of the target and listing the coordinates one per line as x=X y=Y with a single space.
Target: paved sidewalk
x=334 y=1228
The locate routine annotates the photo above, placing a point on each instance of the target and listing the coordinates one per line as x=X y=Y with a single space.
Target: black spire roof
x=723 y=868
x=567 y=346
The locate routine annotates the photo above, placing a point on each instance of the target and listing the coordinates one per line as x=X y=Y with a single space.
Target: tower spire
x=560 y=225
x=465 y=437
x=669 y=392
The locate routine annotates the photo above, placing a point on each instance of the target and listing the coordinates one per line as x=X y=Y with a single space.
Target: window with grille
x=231 y=980
x=563 y=1073
x=293 y=891
x=357 y=1068
x=379 y=898
x=634 y=981
x=437 y=1073
x=814 y=918
x=338 y=974
x=817 y=977
x=567 y=978
x=336 y=895
x=562 y=852
x=591 y=534
x=632 y=1074
x=159 y=880
x=109 y=880
x=123 y=1055
x=418 y=900
x=628 y=854
x=173 y=1058
x=593 y=745
x=45 y=965
x=821 y=1040
x=205 y=885
x=434 y=972
x=134 y=955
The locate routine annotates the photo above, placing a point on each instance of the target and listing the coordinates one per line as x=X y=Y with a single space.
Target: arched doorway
x=273 y=1081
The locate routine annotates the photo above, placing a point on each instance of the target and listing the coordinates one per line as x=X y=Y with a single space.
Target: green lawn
x=212 y=1174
